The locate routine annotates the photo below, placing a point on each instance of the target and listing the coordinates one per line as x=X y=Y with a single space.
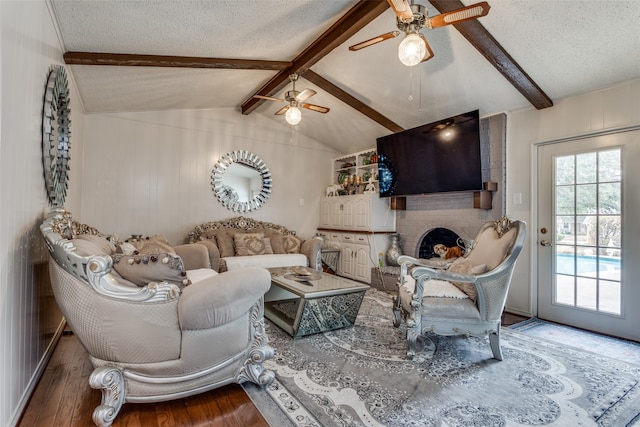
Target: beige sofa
x=157 y=324
x=243 y=242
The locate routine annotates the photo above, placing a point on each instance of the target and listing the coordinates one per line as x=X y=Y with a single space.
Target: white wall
x=29 y=47
x=150 y=173
x=597 y=111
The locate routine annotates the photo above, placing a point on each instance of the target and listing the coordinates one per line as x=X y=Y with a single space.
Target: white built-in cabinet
x=358 y=224
x=358 y=212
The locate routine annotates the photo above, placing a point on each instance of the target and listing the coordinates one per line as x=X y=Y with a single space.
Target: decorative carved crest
x=238 y=223
x=502 y=225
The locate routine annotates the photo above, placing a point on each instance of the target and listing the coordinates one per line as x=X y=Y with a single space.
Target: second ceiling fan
x=411 y=18
x=295 y=99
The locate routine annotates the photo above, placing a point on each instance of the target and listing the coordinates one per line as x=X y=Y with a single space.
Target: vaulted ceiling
x=143 y=55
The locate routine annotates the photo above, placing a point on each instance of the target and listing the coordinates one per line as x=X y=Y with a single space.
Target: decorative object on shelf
x=370 y=187
x=366 y=176
x=56 y=134
x=394 y=250
x=241 y=166
x=342 y=176
x=333 y=190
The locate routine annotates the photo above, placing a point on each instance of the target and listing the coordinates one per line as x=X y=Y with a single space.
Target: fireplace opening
x=432 y=238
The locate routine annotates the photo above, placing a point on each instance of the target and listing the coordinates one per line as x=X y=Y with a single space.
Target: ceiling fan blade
x=429 y=53
x=375 y=40
x=305 y=94
x=463 y=14
x=282 y=110
x=269 y=98
x=314 y=107
x=401 y=8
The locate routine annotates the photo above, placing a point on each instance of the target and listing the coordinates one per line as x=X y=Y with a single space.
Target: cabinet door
x=347 y=261
x=360 y=213
x=362 y=264
x=325 y=213
x=335 y=210
x=348 y=214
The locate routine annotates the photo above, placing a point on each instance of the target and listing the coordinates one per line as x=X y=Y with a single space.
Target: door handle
x=544 y=242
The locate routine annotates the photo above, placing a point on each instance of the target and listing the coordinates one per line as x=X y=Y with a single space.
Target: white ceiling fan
x=411 y=18
x=295 y=99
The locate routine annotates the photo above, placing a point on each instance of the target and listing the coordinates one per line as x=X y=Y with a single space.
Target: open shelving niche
x=356 y=164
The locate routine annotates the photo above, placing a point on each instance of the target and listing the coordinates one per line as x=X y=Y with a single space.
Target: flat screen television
x=438 y=157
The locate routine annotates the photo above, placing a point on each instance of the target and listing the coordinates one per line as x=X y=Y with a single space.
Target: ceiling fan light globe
x=411 y=50
x=293 y=116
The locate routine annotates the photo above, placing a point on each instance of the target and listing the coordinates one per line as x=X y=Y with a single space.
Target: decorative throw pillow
x=463 y=266
x=491 y=249
x=225 y=243
x=151 y=245
x=91 y=244
x=252 y=244
x=142 y=269
x=277 y=241
x=291 y=244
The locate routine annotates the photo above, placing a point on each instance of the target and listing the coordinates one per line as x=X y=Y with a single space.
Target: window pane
x=564 y=200
x=564 y=170
x=586 y=293
x=609 y=198
x=610 y=297
x=609 y=231
x=565 y=260
x=565 y=230
x=586 y=199
x=564 y=289
x=609 y=165
x=586 y=168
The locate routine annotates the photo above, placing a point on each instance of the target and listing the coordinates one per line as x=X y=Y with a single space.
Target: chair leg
x=494 y=340
x=111 y=382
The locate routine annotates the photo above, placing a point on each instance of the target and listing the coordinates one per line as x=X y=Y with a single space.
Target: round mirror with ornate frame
x=241 y=181
x=56 y=134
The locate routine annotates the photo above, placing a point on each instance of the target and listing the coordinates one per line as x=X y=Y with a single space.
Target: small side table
x=330 y=258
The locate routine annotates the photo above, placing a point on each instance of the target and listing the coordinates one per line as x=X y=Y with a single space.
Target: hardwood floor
x=63 y=397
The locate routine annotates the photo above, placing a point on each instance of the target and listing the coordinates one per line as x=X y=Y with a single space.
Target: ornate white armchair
x=156 y=341
x=468 y=297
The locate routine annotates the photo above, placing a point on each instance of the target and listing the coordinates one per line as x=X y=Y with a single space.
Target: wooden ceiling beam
x=489 y=47
x=349 y=24
x=132 y=60
x=350 y=100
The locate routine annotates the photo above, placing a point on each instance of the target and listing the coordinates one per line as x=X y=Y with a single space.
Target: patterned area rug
x=628 y=351
x=359 y=377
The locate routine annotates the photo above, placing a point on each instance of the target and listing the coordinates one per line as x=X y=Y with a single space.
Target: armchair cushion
x=92 y=244
x=222 y=298
x=491 y=249
x=142 y=269
x=463 y=266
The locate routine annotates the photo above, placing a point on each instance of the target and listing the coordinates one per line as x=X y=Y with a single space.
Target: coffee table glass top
x=327 y=284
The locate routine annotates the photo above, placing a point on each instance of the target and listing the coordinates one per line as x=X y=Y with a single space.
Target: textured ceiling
x=567 y=47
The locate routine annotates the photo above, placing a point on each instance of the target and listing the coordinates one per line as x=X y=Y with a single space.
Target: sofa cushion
x=292 y=244
x=142 y=269
x=252 y=244
x=265 y=261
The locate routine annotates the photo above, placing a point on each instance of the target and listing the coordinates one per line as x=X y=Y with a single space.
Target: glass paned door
x=588 y=268
x=588 y=231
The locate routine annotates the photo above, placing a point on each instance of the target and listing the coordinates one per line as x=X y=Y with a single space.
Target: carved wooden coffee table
x=309 y=307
